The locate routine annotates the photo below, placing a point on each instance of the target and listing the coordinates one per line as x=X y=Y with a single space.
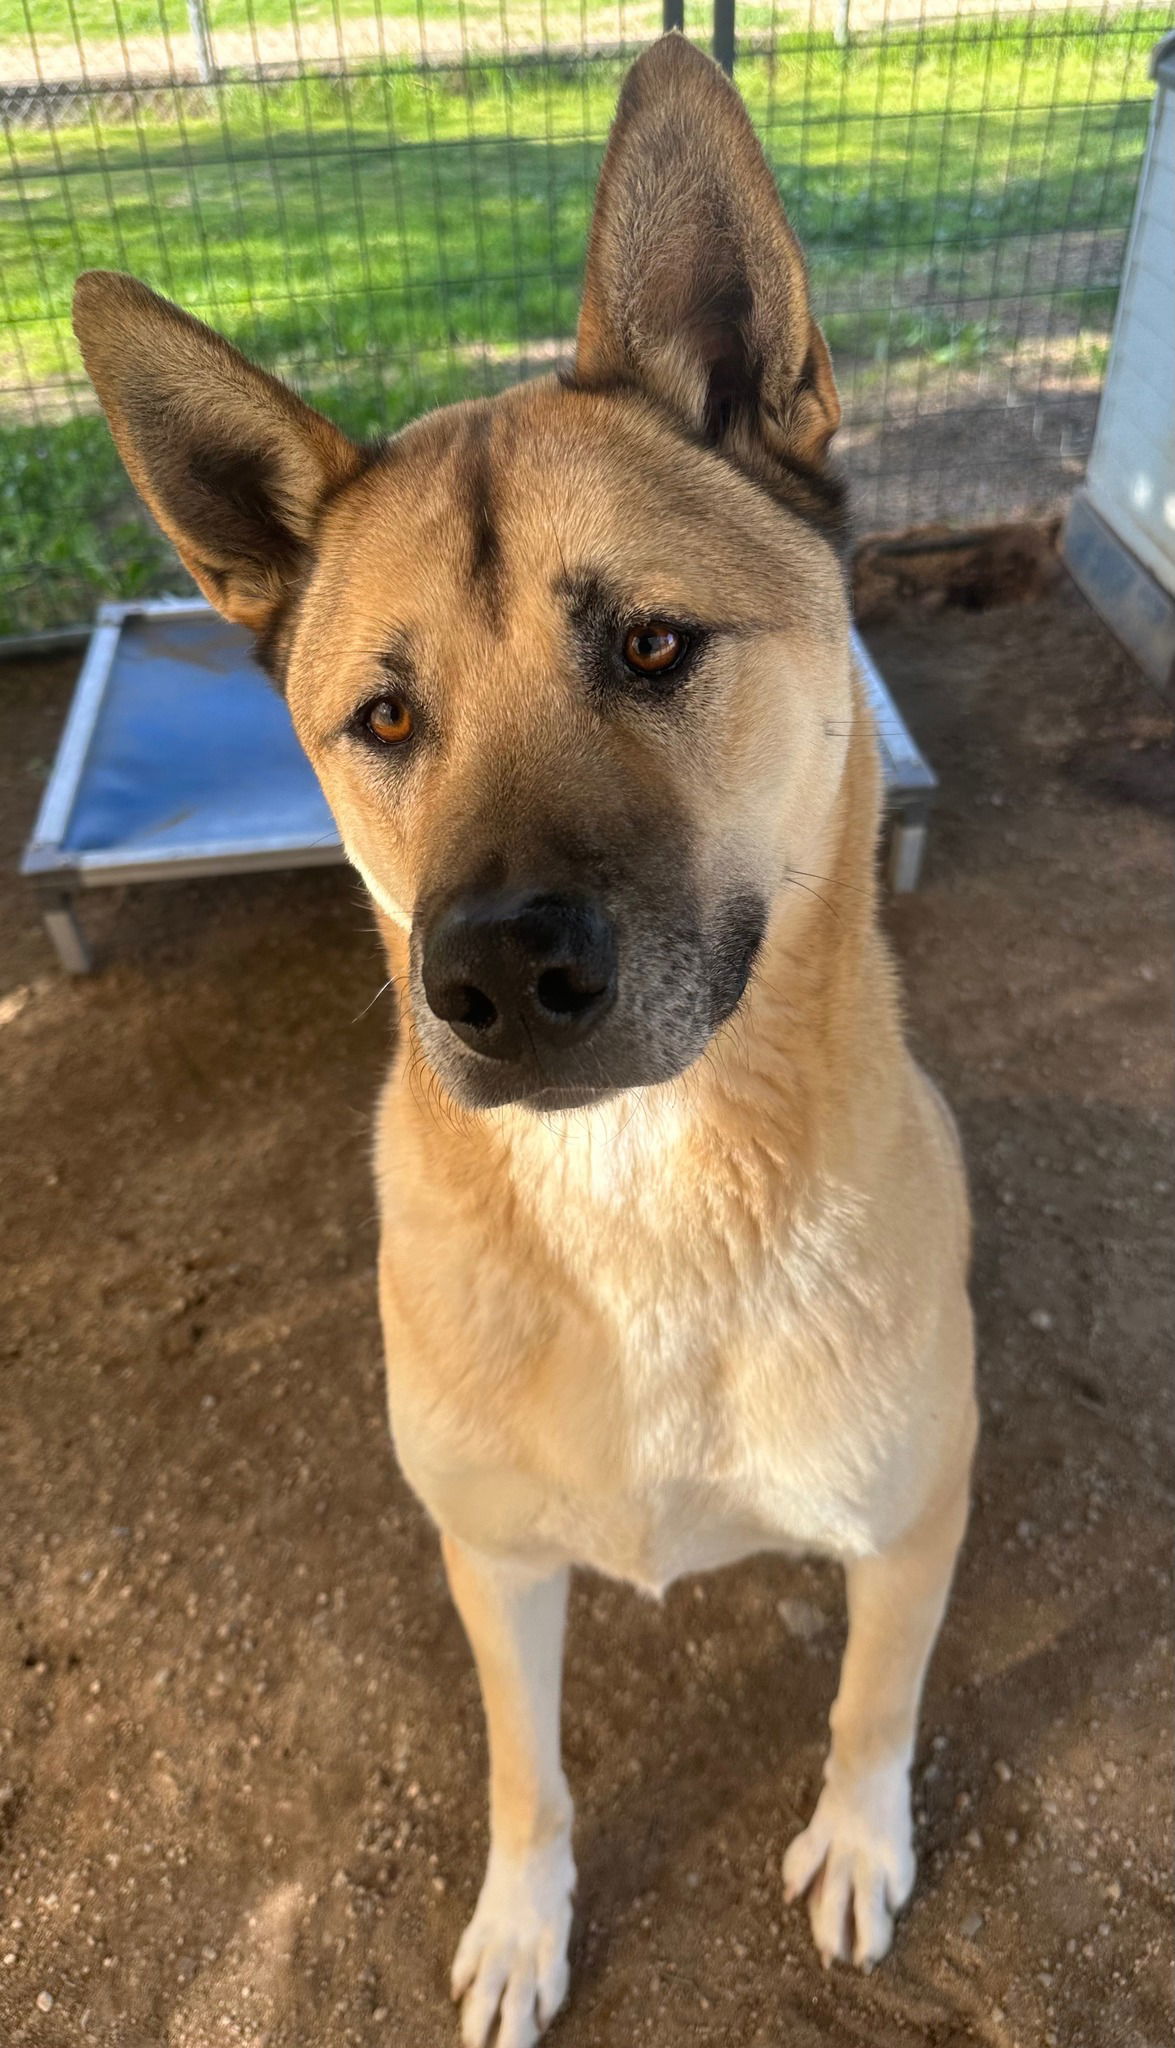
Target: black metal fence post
x=672 y=14
x=724 y=35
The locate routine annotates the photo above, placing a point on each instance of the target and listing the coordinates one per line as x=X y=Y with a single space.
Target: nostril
x=564 y=995
x=473 y=1008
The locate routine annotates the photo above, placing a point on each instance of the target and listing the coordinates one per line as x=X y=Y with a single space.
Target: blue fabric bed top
x=193 y=752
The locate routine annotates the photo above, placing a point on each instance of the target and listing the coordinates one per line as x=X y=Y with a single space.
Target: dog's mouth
x=547 y=1086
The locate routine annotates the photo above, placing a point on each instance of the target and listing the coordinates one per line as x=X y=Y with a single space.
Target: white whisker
x=371 y=1005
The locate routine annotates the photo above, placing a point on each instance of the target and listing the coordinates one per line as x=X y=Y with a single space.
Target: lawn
x=392 y=242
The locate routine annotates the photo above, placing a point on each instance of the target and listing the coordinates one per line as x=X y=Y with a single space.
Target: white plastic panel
x=1131 y=480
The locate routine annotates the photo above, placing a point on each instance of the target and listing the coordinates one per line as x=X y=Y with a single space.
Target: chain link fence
x=388 y=203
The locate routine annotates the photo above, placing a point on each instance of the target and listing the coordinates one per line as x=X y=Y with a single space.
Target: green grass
x=105 y=20
x=369 y=240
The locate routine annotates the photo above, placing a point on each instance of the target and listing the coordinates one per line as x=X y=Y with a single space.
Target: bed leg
x=67 y=936
x=907 y=844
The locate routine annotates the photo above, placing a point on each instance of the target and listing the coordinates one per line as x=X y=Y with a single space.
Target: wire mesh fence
x=388 y=202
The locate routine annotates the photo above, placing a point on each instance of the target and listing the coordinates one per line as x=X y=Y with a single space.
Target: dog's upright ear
x=234 y=466
x=696 y=289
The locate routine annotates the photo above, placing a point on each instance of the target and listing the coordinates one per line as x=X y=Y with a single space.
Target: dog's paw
x=511 y=1961
x=855 y=1861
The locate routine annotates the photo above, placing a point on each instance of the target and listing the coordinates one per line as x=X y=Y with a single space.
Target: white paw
x=511 y=1961
x=855 y=1860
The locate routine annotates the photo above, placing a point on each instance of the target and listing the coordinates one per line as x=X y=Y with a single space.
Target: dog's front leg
x=856 y=1857
x=511 y=1963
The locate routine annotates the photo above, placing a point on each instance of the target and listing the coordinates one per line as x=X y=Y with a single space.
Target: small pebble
x=1003 y=1771
x=971 y=1925
x=801 y=1618
x=1041 y=1319
x=44 y=2001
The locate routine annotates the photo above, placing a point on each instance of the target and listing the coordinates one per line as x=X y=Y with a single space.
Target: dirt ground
x=241 y=1755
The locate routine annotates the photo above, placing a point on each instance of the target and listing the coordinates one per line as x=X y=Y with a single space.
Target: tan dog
x=674 y=1231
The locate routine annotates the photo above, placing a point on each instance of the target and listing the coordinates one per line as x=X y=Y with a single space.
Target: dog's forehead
x=493 y=508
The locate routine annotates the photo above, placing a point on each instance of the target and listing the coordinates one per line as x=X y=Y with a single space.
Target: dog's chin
x=554 y=1101
x=477 y=1084
x=481 y=1086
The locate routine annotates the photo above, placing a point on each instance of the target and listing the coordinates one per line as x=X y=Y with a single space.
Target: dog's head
x=572 y=663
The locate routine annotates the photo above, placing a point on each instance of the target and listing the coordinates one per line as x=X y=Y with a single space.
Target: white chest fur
x=711 y=1391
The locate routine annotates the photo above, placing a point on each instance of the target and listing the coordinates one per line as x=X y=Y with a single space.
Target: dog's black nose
x=513 y=974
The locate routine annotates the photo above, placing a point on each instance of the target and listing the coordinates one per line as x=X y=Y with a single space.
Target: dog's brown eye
x=389 y=720
x=653 y=649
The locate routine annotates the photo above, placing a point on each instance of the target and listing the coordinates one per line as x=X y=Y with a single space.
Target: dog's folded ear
x=696 y=290
x=234 y=466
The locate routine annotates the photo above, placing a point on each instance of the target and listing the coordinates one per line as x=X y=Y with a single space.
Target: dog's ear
x=696 y=289
x=233 y=465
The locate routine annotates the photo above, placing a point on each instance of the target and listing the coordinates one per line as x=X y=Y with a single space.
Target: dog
x=674 y=1232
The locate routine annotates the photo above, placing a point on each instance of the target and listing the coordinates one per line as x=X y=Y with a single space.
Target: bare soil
x=241 y=1754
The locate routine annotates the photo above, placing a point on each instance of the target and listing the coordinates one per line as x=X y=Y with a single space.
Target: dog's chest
x=695 y=1425
x=651 y=1537
x=675 y=1382
x=647 y=1490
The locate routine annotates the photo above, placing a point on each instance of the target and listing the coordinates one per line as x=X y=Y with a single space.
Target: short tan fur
x=675 y=1234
